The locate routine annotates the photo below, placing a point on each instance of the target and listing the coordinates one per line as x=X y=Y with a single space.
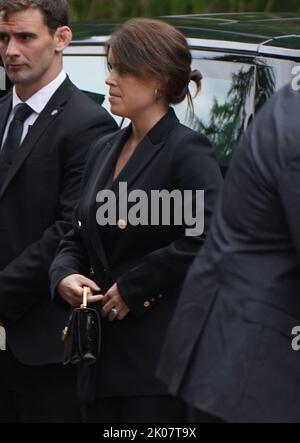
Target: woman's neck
x=143 y=123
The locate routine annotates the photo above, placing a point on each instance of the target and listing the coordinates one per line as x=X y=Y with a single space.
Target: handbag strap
x=84 y=300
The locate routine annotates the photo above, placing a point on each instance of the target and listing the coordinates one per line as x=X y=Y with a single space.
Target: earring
x=157 y=94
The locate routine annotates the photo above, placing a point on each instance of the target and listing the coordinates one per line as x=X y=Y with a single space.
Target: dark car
x=243 y=58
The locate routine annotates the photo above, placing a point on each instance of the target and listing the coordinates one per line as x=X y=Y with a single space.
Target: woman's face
x=129 y=96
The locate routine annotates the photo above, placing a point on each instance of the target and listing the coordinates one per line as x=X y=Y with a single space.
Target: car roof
x=260 y=33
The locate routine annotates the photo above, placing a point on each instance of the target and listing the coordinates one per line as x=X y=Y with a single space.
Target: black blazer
x=37 y=196
x=229 y=347
x=147 y=262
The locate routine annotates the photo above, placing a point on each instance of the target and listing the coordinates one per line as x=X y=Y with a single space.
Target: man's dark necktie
x=14 y=135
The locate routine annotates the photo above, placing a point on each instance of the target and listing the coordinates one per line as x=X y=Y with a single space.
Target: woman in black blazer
x=135 y=246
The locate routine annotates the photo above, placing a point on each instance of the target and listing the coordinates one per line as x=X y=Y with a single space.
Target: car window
x=234 y=87
x=224 y=106
x=221 y=109
x=88 y=72
x=2 y=81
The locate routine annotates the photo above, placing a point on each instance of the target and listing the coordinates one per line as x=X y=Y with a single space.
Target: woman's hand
x=113 y=304
x=70 y=289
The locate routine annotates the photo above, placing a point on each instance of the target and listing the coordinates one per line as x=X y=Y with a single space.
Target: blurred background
x=113 y=9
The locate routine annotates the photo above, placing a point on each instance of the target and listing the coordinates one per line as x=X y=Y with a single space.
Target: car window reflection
x=224 y=106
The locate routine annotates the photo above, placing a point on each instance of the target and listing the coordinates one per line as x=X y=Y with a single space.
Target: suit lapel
x=147 y=149
x=47 y=116
x=142 y=156
x=102 y=169
x=104 y=164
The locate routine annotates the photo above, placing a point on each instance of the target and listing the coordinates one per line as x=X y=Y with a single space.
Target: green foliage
x=228 y=120
x=114 y=9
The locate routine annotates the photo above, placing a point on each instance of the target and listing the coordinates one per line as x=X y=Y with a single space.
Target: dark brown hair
x=55 y=12
x=153 y=48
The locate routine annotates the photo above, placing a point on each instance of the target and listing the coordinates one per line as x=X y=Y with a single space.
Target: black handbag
x=82 y=335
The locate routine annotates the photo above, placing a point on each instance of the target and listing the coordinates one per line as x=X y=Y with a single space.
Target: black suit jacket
x=229 y=347
x=147 y=262
x=37 y=196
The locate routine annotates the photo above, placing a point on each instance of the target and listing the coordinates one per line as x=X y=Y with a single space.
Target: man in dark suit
x=40 y=178
x=229 y=348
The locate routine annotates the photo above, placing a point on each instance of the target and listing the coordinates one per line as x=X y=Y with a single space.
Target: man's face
x=27 y=49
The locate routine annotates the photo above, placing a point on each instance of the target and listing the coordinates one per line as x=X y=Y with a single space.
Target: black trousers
x=150 y=409
x=37 y=394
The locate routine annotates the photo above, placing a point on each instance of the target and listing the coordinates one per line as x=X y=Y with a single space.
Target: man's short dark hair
x=55 y=12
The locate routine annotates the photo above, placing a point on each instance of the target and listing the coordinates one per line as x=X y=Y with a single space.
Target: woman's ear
x=160 y=91
x=63 y=37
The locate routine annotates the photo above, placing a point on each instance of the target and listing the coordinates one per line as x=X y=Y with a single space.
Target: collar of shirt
x=39 y=100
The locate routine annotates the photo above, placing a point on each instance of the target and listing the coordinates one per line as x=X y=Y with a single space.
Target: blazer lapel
x=105 y=166
x=147 y=149
x=138 y=162
x=102 y=168
x=49 y=113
